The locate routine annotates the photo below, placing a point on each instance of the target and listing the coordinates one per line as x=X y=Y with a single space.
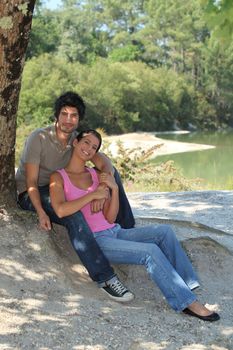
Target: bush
x=120 y=96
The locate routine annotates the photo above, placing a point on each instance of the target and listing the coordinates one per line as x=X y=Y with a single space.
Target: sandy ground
x=47 y=300
x=146 y=140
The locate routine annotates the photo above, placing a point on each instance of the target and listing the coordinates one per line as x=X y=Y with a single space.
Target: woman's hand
x=98 y=203
x=102 y=192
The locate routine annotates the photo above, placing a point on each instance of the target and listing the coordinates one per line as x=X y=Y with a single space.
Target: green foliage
x=80 y=40
x=219 y=17
x=121 y=97
x=45 y=34
x=133 y=96
x=229 y=184
x=125 y=53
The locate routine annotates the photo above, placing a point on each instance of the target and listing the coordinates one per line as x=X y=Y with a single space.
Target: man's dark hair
x=70 y=99
x=92 y=132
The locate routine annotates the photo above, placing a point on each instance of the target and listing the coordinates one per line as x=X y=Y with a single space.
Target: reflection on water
x=215 y=166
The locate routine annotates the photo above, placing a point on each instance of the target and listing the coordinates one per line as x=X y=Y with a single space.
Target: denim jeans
x=125 y=216
x=157 y=248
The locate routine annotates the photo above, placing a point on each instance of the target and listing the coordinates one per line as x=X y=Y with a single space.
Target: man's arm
x=32 y=171
x=111 y=206
x=103 y=163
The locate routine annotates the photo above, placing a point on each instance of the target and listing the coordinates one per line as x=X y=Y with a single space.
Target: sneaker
x=117 y=291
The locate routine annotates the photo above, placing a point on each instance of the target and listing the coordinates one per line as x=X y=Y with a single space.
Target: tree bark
x=15 y=26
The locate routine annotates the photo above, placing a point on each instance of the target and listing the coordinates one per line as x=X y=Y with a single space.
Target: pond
x=214 y=166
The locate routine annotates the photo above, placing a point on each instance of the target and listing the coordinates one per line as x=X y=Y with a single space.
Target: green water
x=214 y=166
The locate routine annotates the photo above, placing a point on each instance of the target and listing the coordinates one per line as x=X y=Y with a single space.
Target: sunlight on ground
x=18 y=271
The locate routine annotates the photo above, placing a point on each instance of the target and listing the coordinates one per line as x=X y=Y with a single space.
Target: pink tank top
x=96 y=221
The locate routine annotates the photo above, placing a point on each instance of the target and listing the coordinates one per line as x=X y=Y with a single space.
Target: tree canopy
x=219 y=17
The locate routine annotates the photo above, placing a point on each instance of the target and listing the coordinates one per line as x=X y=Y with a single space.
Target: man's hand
x=108 y=180
x=32 y=173
x=44 y=222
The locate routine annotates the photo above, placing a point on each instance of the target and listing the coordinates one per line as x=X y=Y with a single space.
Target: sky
x=52 y=4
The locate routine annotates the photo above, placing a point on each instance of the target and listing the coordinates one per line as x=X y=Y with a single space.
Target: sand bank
x=146 y=140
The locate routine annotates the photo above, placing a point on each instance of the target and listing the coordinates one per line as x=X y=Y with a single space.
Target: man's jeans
x=81 y=236
x=157 y=248
x=125 y=216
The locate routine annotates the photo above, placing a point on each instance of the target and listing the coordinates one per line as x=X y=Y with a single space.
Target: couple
x=100 y=197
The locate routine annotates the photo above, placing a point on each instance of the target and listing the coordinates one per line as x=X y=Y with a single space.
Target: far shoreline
x=146 y=140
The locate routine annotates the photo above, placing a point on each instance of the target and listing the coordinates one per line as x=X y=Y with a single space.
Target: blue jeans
x=157 y=248
x=125 y=216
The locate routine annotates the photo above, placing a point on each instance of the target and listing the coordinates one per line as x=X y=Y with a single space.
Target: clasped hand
x=107 y=182
x=101 y=194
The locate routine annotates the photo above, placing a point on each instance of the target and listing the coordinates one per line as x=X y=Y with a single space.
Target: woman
x=156 y=247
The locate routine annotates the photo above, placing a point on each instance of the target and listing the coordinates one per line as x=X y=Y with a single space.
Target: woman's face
x=87 y=146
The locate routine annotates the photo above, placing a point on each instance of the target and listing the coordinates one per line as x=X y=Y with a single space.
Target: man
x=48 y=149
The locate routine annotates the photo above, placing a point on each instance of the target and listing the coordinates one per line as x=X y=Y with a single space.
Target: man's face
x=68 y=119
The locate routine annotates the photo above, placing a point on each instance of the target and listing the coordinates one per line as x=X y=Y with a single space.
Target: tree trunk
x=15 y=25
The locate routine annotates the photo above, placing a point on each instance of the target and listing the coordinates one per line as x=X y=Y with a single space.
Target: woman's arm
x=111 y=206
x=64 y=208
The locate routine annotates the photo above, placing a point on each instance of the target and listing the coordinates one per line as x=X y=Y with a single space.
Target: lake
x=214 y=166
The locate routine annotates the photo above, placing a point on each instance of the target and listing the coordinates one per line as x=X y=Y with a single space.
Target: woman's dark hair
x=92 y=132
x=71 y=99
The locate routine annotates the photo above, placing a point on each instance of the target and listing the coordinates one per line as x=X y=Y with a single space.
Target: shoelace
x=118 y=287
